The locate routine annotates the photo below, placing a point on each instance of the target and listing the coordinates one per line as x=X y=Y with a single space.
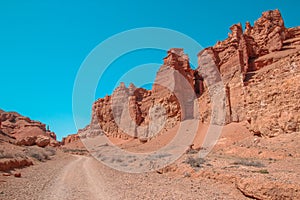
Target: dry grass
x=194 y=162
x=4 y=154
x=40 y=154
x=9 y=155
x=76 y=151
x=246 y=162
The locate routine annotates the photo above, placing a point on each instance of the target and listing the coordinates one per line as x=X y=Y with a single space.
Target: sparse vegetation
x=192 y=151
x=50 y=150
x=194 y=162
x=9 y=154
x=76 y=151
x=263 y=171
x=246 y=162
x=40 y=154
x=4 y=154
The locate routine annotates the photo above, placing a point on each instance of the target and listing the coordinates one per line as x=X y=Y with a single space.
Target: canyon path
x=67 y=177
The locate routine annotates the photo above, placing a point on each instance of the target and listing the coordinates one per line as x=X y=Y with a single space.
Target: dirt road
x=67 y=177
x=78 y=180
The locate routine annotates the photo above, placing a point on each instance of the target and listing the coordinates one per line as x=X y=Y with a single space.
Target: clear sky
x=43 y=43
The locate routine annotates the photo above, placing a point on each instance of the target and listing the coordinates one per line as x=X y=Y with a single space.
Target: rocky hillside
x=259 y=68
x=25 y=131
x=23 y=142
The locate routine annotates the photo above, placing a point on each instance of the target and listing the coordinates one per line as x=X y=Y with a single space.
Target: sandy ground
x=240 y=165
x=81 y=177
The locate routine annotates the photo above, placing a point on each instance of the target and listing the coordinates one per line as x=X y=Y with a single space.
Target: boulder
x=42 y=141
x=27 y=141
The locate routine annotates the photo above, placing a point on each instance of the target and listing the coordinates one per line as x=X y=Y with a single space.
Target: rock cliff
x=259 y=70
x=258 y=66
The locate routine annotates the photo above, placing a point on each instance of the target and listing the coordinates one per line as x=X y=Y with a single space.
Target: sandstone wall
x=135 y=112
x=260 y=73
x=252 y=76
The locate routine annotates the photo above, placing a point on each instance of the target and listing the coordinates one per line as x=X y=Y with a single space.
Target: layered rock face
x=267 y=34
x=26 y=131
x=237 y=55
x=273 y=96
x=256 y=65
x=137 y=113
x=70 y=139
x=252 y=75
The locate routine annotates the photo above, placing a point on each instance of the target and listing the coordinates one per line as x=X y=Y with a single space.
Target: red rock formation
x=231 y=57
x=244 y=61
x=127 y=113
x=8 y=164
x=27 y=141
x=42 y=141
x=253 y=92
x=268 y=32
x=70 y=138
x=179 y=61
x=27 y=132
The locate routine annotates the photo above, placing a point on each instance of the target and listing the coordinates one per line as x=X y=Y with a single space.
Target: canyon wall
x=258 y=69
x=138 y=113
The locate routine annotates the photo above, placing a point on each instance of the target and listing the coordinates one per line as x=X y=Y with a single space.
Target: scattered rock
x=9 y=164
x=18 y=175
x=186 y=175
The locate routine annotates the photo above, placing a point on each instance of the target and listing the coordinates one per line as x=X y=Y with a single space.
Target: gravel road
x=81 y=177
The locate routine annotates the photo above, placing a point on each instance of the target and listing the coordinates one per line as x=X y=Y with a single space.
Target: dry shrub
x=40 y=154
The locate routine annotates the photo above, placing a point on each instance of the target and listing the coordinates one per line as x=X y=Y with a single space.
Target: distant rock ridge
x=259 y=68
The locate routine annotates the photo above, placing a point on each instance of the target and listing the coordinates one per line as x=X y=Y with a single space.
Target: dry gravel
x=81 y=177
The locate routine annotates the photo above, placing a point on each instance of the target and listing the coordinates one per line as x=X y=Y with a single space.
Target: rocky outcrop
x=137 y=113
x=42 y=141
x=236 y=56
x=272 y=100
x=120 y=114
x=249 y=74
x=39 y=140
x=8 y=164
x=27 y=141
x=70 y=139
x=268 y=33
x=260 y=188
x=27 y=132
x=255 y=64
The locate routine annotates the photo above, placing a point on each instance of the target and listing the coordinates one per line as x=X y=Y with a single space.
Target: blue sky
x=43 y=44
